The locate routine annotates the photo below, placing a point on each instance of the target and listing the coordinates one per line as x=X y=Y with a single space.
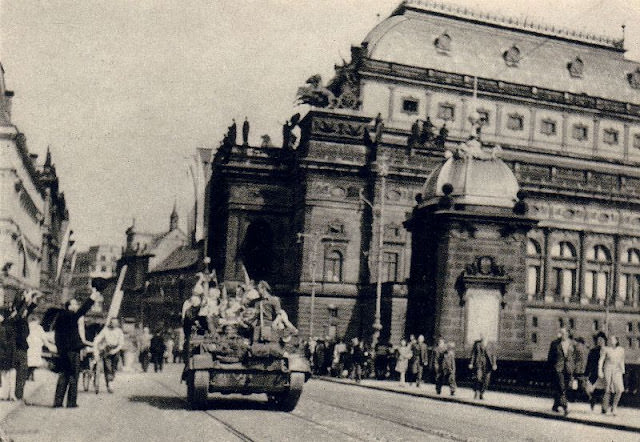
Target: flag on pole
x=116 y=301
x=62 y=253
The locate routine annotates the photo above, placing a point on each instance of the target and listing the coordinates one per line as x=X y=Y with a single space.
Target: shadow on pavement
x=214 y=403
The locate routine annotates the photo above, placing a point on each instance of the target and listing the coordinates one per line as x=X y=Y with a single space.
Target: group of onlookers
x=597 y=372
x=21 y=341
x=158 y=349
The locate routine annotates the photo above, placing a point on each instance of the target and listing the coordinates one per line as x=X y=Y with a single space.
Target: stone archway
x=256 y=252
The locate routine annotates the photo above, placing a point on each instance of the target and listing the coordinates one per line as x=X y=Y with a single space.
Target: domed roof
x=478 y=177
x=426 y=35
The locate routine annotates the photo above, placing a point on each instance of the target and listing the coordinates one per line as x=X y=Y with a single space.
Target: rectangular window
x=636 y=141
x=610 y=136
x=515 y=122
x=390 y=269
x=534 y=321
x=446 y=111
x=572 y=323
x=410 y=105
x=629 y=327
x=580 y=132
x=548 y=127
x=596 y=325
x=560 y=322
x=630 y=342
x=534 y=337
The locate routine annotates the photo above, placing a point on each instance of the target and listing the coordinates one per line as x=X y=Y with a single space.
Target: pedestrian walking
x=357 y=359
x=168 y=354
x=144 y=348
x=438 y=353
x=447 y=374
x=595 y=384
x=319 y=355
x=404 y=354
x=562 y=362
x=580 y=383
x=612 y=369
x=7 y=355
x=420 y=359
x=483 y=362
x=157 y=350
x=69 y=344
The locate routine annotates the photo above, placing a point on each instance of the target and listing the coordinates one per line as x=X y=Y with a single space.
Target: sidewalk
x=42 y=377
x=627 y=419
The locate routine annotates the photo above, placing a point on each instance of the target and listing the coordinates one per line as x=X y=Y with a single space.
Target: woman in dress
x=37 y=339
x=404 y=355
x=611 y=369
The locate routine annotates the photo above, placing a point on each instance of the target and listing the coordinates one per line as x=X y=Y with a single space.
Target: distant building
x=98 y=262
x=33 y=214
x=565 y=109
x=160 y=274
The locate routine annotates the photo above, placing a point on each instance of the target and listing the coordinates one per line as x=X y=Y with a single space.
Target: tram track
x=245 y=437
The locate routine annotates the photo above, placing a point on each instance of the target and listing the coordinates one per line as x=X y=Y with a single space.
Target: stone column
x=546 y=289
x=626 y=141
x=596 y=134
x=581 y=269
x=498 y=119
x=392 y=102
x=615 y=268
x=532 y=124
x=565 y=130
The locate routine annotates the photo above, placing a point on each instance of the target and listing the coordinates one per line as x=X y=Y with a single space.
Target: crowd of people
x=577 y=370
x=412 y=361
x=595 y=373
x=21 y=342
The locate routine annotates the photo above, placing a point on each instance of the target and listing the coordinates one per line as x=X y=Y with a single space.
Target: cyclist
x=108 y=344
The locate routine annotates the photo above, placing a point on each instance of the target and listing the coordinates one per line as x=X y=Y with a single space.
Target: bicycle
x=86 y=368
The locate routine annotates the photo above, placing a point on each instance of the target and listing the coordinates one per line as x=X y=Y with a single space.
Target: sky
x=122 y=91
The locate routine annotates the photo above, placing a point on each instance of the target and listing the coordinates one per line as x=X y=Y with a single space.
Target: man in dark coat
x=420 y=359
x=157 y=349
x=591 y=370
x=69 y=344
x=561 y=359
x=483 y=362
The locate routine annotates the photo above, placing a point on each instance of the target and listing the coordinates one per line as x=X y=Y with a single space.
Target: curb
x=522 y=411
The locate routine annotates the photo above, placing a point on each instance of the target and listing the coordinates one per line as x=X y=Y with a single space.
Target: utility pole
x=382 y=171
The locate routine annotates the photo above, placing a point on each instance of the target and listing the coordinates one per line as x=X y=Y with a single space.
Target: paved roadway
x=151 y=407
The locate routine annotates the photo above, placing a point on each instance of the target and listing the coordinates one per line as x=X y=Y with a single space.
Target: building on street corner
x=33 y=214
x=512 y=146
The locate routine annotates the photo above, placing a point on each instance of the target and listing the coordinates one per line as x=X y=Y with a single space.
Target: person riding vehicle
x=108 y=344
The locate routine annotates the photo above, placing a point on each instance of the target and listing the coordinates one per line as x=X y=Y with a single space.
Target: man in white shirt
x=108 y=344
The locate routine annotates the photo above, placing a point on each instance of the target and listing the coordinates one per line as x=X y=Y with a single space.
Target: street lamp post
x=383 y=171
x=316 y=238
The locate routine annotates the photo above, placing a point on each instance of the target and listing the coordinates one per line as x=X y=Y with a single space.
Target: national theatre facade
x=491 y=166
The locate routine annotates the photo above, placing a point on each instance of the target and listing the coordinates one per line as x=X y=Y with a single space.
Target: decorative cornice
x=515 y=90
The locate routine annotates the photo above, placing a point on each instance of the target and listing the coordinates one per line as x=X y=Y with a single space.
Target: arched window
x=333 y=261
x=629 y=289
x=534 y=269
x=597 y=274
x=564 y=264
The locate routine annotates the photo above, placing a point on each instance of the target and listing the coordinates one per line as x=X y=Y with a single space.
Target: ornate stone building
x=33 y=213
x=563 y=106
